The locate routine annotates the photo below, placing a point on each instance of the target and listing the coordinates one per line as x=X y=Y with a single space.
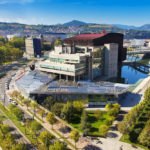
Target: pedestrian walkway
x=111 y=142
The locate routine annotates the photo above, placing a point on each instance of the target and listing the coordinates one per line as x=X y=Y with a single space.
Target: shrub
x=117 y=106
x=103 y=129
x=109 y=121
x=84 y=124
x=113 y=112
x=68 y=112
x=57 y=108
x=98 y=114
x=78 y=106
x=144 y=137
x=109 y=106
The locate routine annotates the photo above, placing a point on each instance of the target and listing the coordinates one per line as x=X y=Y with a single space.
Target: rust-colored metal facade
x=100 y=41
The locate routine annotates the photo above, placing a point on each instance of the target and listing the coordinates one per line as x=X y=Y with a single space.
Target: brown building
x=99 y=39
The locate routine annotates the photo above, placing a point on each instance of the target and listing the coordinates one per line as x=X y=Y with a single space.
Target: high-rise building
x=33 y=47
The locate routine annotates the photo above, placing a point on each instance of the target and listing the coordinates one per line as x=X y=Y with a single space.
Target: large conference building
x=86 y=56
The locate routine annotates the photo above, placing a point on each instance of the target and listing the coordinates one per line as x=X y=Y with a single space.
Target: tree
x=144 y=137
x=84 y=125
x=109 y=121
x=4 y=130
x=27 y=124
x=57 y=108
x=98 y=114
x=11 y=107
x=34 y=105
x=113 y=112
x=8 y=142
x=41 y=113
x=130 y=118
x=117 y=106
x=21 y=98
x=58 y=146
x=75 y=136
x=45 y=138
x=26 y=101
x=15 y=94
x=68 y=111
x=58 y=42
x=18 y=43
x=49 y=102
x=19 y=147
x=103 y=129
x=109 y=106
x=123 y=127
x=35 y=127
x=78 y=106
x=51 y=118
x=18 y=113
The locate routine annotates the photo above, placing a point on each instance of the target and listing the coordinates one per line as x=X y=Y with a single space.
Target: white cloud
x=19 y=20
x=15 y=1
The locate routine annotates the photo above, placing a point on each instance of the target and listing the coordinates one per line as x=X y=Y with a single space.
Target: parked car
x=13 y=102
x=10 y=100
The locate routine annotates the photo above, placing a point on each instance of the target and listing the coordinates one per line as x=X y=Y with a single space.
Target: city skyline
x=61 y=11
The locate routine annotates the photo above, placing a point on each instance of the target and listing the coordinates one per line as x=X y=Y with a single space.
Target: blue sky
x=129 y=12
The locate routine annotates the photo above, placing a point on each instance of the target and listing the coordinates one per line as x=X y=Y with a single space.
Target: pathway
x=112 y=141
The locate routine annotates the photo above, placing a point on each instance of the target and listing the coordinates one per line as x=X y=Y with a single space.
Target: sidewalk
x=111 y=142
x=46 y=125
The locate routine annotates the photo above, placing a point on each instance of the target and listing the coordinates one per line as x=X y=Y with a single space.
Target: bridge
x=139 y=51
x=137 y=66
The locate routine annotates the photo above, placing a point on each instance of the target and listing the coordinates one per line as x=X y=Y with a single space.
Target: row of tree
x=136 y=123
x=7 y=140
x=45 y=138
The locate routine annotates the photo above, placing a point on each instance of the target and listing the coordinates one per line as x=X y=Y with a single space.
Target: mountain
x=75 y=23
x=127 y=27
x=142 y=32
x=145 y=27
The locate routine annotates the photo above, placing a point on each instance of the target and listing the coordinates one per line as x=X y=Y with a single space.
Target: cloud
x=15 y=1
x=19 y=20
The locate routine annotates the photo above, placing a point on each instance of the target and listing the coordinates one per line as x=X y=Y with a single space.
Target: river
x=129 y=74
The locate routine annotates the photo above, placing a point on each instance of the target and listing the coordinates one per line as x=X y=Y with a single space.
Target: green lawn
x=2 y=117
x=95 y=124
x=126 y=140
x=2 y=74
x=145 y=61
x=135 y=85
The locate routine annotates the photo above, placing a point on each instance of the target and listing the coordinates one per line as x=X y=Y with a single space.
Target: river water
x=129 y=74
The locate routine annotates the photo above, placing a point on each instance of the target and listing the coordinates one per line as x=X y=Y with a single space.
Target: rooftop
x=35 y=82
x=89 y=36
x=32 y=80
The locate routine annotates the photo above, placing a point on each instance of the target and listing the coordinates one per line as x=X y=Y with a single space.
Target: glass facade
x=61 y=68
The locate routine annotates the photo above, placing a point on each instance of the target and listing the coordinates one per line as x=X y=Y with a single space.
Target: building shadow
x=130 y=100
x=112 y=135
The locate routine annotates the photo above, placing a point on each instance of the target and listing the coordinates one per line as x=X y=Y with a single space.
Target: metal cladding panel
x=99 y=40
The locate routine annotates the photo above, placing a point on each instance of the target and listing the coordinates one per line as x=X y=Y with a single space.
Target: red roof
x=89 y=36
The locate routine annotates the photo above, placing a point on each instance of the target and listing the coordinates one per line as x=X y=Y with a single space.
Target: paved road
x=18 y=135
x=4 y=98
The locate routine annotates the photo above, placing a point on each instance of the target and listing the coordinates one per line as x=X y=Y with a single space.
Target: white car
x=13 y=102
x=10 y=100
